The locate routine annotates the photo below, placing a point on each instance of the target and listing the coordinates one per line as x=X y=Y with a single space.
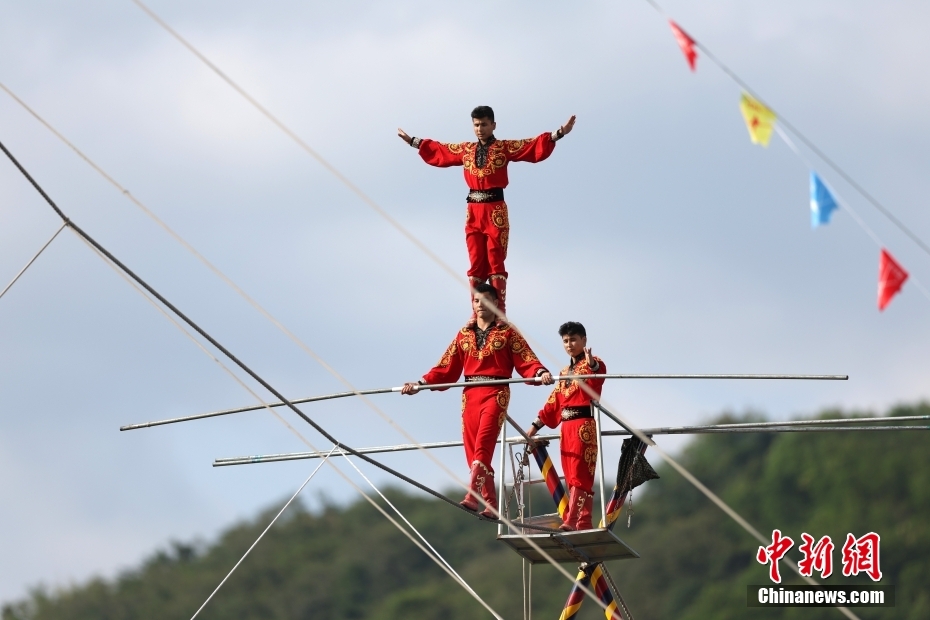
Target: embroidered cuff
x=415 y=142
x=537 y=424
x=596 y=367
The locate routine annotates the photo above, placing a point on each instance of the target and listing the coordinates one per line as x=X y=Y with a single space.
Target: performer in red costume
x=487 y=227
x=570 y=405
x=486 y=350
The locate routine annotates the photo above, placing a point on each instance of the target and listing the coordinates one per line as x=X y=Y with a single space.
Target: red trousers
x=578 y=444
x=487 y=231
x=484 y=410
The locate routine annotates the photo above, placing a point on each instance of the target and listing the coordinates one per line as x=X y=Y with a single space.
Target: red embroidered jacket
x=569 y=394
x=504 y=350
x=500 y=153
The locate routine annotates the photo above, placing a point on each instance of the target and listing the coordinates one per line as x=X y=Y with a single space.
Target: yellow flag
x=759 y=120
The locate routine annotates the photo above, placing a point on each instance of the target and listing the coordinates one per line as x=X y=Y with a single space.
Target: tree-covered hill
x=349 y=562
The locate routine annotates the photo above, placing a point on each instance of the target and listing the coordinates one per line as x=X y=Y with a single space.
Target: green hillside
x=348 y=562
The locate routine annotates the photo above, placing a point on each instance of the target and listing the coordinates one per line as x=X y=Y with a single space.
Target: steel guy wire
x=265 y=531
x=31 y=260
x=458 y=577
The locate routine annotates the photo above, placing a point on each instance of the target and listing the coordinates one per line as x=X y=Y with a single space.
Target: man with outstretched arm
x=570 y=405
x=483 y=351
x=487 y=227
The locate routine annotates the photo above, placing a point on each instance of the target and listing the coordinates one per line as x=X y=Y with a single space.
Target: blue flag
x=822 y=202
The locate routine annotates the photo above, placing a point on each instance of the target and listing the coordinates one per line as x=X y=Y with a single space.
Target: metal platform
x=589 y=546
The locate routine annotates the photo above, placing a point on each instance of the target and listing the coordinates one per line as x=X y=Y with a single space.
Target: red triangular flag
x=891 y=277
x=686 y=44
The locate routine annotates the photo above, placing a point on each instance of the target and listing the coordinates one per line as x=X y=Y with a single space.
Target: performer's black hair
x=486 y=289
x=483 y=111
x=572 y=329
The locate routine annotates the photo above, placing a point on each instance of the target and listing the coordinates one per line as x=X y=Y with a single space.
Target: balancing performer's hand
x=403 y=134
x=410 y=389
x=531 y=444
x=546 y=378
x=567 y=127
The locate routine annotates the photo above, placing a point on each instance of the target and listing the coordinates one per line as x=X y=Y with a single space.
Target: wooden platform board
x=589 y=546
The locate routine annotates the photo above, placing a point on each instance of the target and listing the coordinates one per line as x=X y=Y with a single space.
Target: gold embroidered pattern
x=590 y=458
x=496 y=159
x=455 y=148
x=567 y=387
x=503 y=399
x=446 y=358
x=514 y=146
x=464 y=396
x=494 y=342
x=504 y=238
x=499 y=217
x=587 y=432
x=581 y=368
x=518 y=345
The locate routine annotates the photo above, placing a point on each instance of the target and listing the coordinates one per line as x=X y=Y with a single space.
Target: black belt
x=495 y=194
x=575 y=413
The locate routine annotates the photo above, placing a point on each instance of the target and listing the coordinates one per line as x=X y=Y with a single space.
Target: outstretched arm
x=536 y=149
x=565 y=129
x=414 y=142
x=403 y=135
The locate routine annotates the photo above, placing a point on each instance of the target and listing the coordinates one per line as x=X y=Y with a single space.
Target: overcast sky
x=680 y=245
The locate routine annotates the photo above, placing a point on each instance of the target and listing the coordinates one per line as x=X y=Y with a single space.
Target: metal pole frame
x=501 y=496
x=600 y=456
